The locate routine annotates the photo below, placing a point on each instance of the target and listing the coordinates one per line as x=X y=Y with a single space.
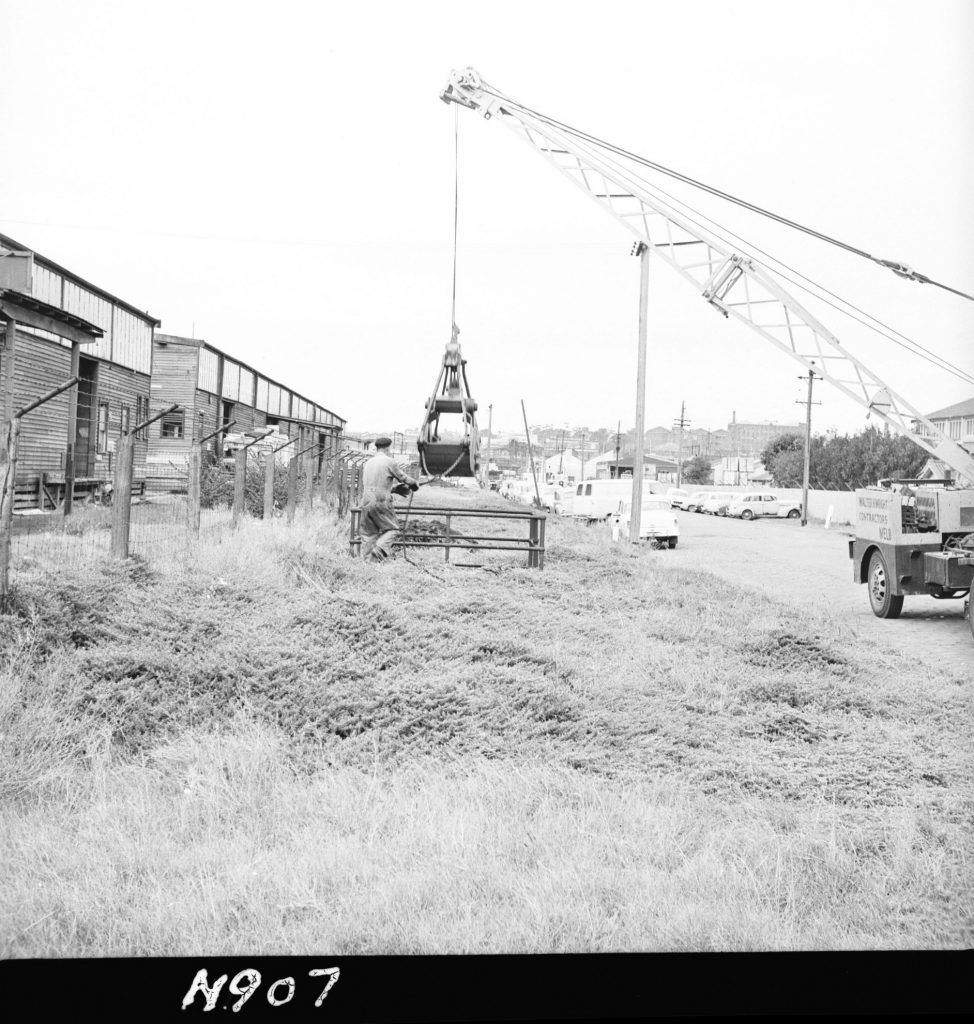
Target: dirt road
x=811 y=565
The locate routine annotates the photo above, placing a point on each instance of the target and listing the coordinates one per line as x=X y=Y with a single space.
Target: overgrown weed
x=626 y=756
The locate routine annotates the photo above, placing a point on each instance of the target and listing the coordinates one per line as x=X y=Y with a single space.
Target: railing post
x=193 y=491
x=447 y=559
x=239 y=485
x=8 y=480
x=122 y=495
x=269 y=486
x=292 y=487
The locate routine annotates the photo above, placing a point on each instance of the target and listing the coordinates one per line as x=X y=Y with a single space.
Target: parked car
x=696 y=501
x=599 y=499
x=551 y=498
x=677 y=497
x=717 y=503
x=656 y=520
x=754 y=504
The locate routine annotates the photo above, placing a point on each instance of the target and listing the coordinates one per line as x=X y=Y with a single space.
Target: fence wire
x=161 y=521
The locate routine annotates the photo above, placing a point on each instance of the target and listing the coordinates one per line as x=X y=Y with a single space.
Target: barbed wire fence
x=176 y=505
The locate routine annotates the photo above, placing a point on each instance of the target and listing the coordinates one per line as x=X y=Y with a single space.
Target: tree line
x=840 y=462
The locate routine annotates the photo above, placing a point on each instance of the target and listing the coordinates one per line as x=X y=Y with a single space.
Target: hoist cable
x=901 y=270
x=456 y=213
x=631 y=177
x=626 y=172
x=917 y=349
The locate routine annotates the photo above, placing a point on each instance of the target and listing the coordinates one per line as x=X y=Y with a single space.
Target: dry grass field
x=277 y=749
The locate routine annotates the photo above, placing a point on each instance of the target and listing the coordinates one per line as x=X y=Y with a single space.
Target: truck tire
x=671 y=541
x=884 y=603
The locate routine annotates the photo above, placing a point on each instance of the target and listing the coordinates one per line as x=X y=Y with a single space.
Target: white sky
x=281 y=177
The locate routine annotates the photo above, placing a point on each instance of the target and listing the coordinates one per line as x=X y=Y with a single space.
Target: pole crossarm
x=732 y=283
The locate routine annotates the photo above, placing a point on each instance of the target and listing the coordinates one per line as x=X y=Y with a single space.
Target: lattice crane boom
x=732 y=283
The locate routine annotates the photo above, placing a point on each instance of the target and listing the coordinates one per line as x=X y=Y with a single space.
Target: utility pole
x=490 y=424
x=583 y=454
x=618 y=432
x=680 y=424
x=808 y=403
x=641 y=250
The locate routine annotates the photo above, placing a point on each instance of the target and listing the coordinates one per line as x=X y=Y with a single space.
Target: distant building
x=212 y=390
x=957 y=422
x=750 y=439
x=655 y=467
x=563 y=469
x=735 y=471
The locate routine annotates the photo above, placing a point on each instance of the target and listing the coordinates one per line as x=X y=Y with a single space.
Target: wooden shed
x=214 y=389
x=72 y=437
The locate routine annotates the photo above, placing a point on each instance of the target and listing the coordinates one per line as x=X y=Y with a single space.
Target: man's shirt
x=378 y=476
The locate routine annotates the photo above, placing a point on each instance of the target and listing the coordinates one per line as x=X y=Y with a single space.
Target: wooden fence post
x=8 y=479
x=122 y=495
x=239 y=485
x=323 y=478
x=292 y=487
x=193 y=489
x=269 y=486
x=309 y=482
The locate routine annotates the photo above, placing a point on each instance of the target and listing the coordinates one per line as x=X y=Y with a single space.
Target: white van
x=598 y=499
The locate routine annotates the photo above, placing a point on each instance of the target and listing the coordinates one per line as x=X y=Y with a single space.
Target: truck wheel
x=672 y=542
x=747 y=514
x=885 y=604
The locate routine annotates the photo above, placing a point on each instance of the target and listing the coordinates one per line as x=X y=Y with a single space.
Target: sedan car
x=717 y=503
x=656 y=521
x=761 y=503
x=695 y=501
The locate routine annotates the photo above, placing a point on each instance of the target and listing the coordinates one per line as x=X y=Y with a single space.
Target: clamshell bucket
x=451 y=396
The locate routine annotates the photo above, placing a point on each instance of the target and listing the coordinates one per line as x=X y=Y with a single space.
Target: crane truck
x=909 y=539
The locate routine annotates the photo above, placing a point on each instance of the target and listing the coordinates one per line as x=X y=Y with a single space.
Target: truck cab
x=913 y=538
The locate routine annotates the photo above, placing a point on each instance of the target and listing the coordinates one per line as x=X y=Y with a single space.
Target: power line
x=900 y=269
x=917 y=349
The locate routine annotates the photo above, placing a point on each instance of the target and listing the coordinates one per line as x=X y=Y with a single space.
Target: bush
x=217 y=483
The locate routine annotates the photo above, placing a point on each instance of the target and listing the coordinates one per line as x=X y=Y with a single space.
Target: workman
x=380 y=524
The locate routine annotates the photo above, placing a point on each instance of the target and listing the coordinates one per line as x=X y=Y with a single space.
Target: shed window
x=102 y=428
x=172 y=425
x=126 y=419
